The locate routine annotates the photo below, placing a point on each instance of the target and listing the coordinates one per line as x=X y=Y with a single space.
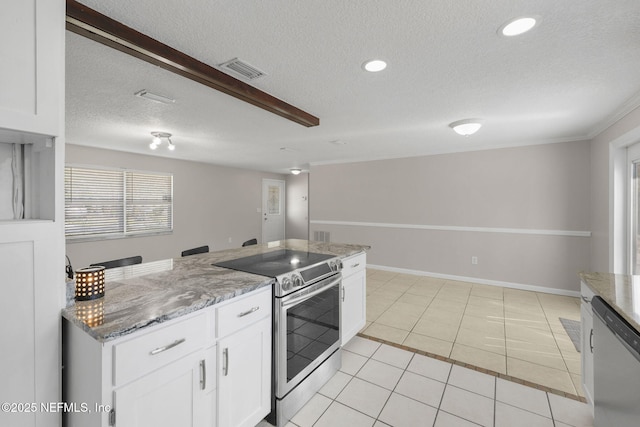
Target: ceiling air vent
x=240 y=68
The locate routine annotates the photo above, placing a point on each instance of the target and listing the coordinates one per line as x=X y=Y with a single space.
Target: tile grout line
x=504 y=322
x=539 y=304
x=466 y=304
x=442 y=397
x=438 y=408
x=477 y=368
x=562 y=354
x=495 y=394
x=553 y=419
x=557 y=346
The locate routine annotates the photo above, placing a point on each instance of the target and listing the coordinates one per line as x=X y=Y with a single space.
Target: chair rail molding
x=538 y=232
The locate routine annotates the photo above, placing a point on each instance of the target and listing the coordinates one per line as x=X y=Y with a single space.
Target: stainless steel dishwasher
x=616 y=368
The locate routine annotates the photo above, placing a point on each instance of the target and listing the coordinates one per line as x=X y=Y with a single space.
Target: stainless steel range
x=306 y=323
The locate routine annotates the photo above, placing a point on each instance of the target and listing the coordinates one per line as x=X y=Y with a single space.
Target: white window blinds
x=102 y=203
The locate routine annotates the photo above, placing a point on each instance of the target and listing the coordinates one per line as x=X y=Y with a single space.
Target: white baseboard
x=511 y=285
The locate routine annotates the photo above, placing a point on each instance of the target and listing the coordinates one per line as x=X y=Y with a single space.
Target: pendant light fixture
x=158 y=137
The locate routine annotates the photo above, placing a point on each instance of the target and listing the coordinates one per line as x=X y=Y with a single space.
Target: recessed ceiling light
x=374 y=65
x=466 y=127
x=517 y=26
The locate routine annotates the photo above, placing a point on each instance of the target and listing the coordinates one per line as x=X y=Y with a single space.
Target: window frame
x=633 y=207
x=123 y=233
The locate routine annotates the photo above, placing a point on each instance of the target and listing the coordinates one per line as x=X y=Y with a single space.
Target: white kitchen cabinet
x=353 y=313
x=176 y=395
x=32 y=252
x=205 y=369
x=32 y=75
x=586 y=345
x=159 y=376
x=244 y=361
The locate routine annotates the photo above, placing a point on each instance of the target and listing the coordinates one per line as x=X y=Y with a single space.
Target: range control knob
x=296 y=280
x=335 y=265
x=286 y=284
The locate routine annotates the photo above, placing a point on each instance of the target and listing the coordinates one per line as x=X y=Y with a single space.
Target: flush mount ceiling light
x=296 y=171
x=157 y=140
x=517 y=26
x=374 y=65
x=466 y=127
x=154 y=97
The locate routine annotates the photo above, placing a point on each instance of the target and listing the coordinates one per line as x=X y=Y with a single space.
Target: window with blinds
x=103 y=203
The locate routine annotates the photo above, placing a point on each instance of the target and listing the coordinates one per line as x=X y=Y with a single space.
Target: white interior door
x=273 y=212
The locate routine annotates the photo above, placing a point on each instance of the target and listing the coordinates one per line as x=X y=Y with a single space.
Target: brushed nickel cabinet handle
x=167 y=347
x=355 y=265
x=591 y=340
x=225 y=362
x=585 y=299
x=252 y=310
x=203 y=374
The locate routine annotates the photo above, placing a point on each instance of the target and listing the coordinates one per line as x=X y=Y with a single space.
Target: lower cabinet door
x=244 y=376
x=353 y=307
x=586 y=350
x=175 y=395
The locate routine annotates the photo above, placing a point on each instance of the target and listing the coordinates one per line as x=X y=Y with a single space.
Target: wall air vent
x=322 y=236
x=239 y=68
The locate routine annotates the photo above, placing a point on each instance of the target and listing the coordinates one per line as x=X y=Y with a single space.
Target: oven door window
x=312 y=328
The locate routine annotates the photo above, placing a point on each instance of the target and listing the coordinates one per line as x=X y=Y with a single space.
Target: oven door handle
x=298 y=300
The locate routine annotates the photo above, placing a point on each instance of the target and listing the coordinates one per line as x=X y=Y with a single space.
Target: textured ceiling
x=569 y=78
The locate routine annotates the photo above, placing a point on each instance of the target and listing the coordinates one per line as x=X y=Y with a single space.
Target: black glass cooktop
x=272 y=264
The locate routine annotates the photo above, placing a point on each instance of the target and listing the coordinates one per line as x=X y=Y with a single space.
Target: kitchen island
x=179 y=342
x=188 y=284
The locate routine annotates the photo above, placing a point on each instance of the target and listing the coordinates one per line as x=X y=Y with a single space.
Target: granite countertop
x=620 y=291
x=146 y=294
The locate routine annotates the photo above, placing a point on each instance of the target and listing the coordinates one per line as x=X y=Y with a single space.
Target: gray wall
x=297 y=220
x=211 y=205
x=461 y=205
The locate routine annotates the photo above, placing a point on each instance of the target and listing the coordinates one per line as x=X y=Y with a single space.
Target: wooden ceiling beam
x=89 y=23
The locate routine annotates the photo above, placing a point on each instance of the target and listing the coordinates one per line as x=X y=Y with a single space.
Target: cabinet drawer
x=353 y=264
x=143 y=354
x=243 y=312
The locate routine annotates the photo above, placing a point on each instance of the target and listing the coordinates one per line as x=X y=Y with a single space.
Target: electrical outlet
x=474 y=260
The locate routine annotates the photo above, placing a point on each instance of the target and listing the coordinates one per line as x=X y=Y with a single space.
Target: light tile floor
x=510 y=333
x=382 y=385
